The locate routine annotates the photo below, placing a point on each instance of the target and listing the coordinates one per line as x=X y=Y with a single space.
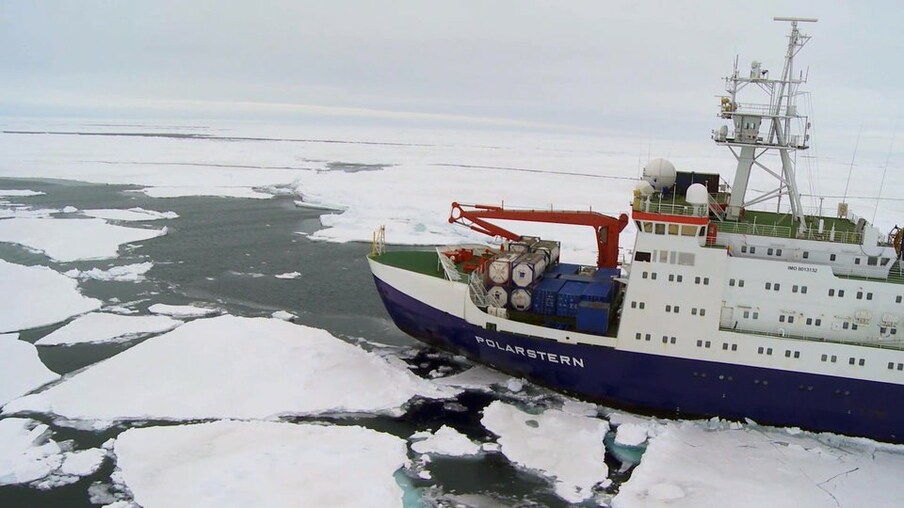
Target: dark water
x=225 y=252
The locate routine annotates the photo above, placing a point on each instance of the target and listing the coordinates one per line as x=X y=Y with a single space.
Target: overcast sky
x=641 y=67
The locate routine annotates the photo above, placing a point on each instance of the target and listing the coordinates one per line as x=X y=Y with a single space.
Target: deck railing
x=746 y=228
x=447 y=265
x=672 y=208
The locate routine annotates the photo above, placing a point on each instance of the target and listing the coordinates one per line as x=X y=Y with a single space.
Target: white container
x=551 y=248
x=521 y=299
x=529 y=269
x=499 y=271
x=497 y=296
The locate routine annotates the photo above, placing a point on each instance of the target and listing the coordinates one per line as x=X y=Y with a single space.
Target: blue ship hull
x=663 y=385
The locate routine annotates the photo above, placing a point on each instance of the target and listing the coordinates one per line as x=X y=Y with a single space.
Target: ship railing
x=874 y=343
x=745 y=228
x=447 y=265
x=478 y=289
x=672 y=208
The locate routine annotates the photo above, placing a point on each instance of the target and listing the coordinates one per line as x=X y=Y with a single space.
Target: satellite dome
x=644 y=188
x=697 y=194
x=660 y=173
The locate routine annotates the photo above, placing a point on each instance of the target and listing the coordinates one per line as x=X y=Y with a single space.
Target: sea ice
x=124 y=273
x=103 y=327
x=445 y=441
x=21 y=371
x=631 y=434
x=566 y=447
x=690 y=464
x=37 y=295
x=284 y=315
x=19 y=193
x=26 y=452
x=288 y=275
x=241 y=464
x=205 y=190
x=182 y=311
x=475 y=378
x=72 y=239
x=131 y=214
x=231 y=367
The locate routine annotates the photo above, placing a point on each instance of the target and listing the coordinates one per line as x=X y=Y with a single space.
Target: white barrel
x=521 y=299
x=497 y=296
x=550 y=248
x=499 y=270
x=519 y=247
x=529 y=269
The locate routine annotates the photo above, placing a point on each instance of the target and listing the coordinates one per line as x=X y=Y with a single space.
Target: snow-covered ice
x=284 y=315
x=19 y=193
x=630 y=434
x=104 y=327
x=21 y=371
x=131 y=214
x=231 y=367
x=564 y=446
x=83 y=462
x=241 y=464
x=205 y=190
x=37 y=295
x=691 y=464
x=182 y=311
x=26 y=452
x=288 y=275
x=123 y=273
x=72 y=239
x=445 y=441
x=475 y=378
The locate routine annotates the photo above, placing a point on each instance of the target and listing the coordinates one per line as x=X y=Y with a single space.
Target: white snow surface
x=19 y=193
x=241 y=464
x=37 y=295
x=205 y=190
x=445 y=441
x=182 y=311
x=231 y=367
x=475 y=378
x=692 y=464
x=72 y=239
x=131 y=214
x=284 y=315
x=631 y=434
x=123 y=273
x=566 y=447
x=99 y=327
x=288 y=275
x=21 y=371
x=26 y=452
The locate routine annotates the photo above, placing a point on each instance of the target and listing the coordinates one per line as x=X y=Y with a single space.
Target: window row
x=740 y=282
x=659 y=228
x=637 y=305
x=891 y=365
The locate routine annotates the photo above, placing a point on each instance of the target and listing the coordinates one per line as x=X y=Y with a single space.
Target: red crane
x=606 y=228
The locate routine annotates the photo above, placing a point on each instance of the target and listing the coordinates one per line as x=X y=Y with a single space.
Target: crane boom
x=606 y=228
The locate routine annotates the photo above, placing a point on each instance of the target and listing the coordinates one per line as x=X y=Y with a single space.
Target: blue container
x=562 y=269
x=569 y=297
x=593 y=317
x=607 y=273
x=600 y=291
x=577 y=278
x=545 y=295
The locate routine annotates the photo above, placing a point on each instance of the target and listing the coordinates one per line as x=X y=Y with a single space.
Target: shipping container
x=497 y=296
x=499 y=271
x=550 y=248
x=577 y=278
x=520 y=299
x=569 y=297
x=544 y=298
x=599 y=291
x=528 y=269
x=607 y=273
x=592 y=317
x=519 y=247
x=562 y=269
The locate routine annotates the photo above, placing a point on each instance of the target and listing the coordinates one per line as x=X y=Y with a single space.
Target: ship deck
x=420 y=261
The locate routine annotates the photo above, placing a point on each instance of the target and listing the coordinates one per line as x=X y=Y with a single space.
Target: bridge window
x=660 y=229
x=688 y=230
x=647 y=227
x=642 y=256
x=872 y=261
x=885 y=261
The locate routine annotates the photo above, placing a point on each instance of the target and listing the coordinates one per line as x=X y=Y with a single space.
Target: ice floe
x=630 y=434
x=37 y=295
x=445 y=441
x=29 y=455
x=690 y=464
x=182 y=311
x=21 y=371
x=124 y=273
x=205 y=190
x=104 y=327
x=72 y=239
x=19 y=193
x=288 y=275
x=566 y=447
x=284 y=315
x=240 y=464
x=475 y=378
x=231 y=367
x=131 y=214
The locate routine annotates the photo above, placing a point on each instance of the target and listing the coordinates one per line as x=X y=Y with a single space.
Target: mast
x=746 y=143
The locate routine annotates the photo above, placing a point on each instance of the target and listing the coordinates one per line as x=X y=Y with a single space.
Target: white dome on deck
x=697 y=194
x=644 y=188
x=660 y=173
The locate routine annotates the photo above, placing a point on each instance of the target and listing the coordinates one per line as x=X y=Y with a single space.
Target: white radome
x=660 y=173
x=644 y=188
x=697 y=194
